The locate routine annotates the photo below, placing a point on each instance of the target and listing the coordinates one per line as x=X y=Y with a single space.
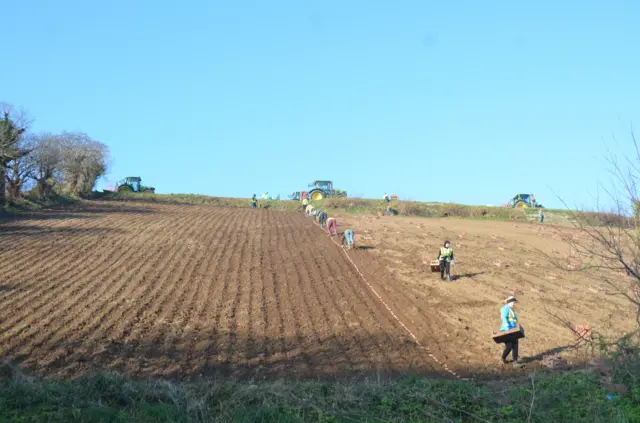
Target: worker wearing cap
x=446 y=259
x=254 y=201
x=510 y=321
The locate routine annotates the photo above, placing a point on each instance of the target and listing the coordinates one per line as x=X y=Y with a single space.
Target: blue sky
x=461 y=101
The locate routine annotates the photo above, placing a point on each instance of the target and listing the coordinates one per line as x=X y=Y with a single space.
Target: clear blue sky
x=463 y=101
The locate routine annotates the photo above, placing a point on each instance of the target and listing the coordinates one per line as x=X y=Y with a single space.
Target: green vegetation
x=566 y=397
x=32 y=203
x=366 y=206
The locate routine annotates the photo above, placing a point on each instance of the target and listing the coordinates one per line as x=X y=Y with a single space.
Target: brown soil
x=177 y=291
x=185 y=290
x=494 y=259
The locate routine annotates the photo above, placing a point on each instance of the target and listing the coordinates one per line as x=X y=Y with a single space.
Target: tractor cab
x=323 y=185
x=134 y=182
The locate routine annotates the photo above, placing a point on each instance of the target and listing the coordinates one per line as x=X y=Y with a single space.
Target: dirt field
x=494 y=259
x=184 y=290
x=174 y=291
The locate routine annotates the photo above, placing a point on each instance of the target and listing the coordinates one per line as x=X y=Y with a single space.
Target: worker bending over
x=348 y=237
x=332 y=223
x=446 y=258
x=510 y=321
x=322 y=219
x=310 y=210
x=316 y=216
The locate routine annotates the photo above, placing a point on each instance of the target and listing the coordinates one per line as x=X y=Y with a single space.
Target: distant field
x=377 y=207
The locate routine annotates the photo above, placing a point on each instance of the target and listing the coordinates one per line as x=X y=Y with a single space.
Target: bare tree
x=20 y=169
x=84 y=160
x=46 y=158
x=94 y=167
x=12 y=127
x=607 y=246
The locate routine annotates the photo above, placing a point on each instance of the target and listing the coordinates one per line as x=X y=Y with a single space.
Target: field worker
x=349 y=238
x=322 y=219
x=541 y=216
x=386 y=197
x=509 y=321
x=332 y=223
x=316 y=217
x=310 y=209
x=445 y=258
x=305 y=203
x=254 y=201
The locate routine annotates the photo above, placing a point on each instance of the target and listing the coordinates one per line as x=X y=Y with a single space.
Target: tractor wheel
x=125 y=188
x=521 y=205
x=316 y=195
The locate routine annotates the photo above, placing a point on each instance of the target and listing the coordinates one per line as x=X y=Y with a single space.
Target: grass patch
x=31 y=204
x=100 y=398
x=378 y=207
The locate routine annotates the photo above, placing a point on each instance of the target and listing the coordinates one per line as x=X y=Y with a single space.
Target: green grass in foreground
x=564 y=397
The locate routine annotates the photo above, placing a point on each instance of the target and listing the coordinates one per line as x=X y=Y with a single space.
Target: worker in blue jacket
x=510 y=321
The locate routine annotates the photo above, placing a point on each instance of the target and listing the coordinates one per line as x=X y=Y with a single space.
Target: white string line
x=415 y=339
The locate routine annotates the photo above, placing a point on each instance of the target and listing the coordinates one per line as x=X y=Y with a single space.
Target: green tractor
x=132 y=184
x=324 y=189
x=522 y=201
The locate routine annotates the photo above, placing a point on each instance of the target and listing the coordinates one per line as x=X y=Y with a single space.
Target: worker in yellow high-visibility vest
x=446 y=259
x=305 y=203
x=309 y=210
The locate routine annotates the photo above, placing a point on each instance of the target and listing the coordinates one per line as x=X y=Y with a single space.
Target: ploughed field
x=166 y=290
x=171 y=290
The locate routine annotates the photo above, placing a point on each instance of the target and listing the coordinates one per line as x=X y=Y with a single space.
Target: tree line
x=44 y=163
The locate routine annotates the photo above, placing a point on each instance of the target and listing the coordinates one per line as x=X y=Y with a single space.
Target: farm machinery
x=324 y=189
x=133 y=184
x=522 y=201
x=298 y=196
x=318 y=191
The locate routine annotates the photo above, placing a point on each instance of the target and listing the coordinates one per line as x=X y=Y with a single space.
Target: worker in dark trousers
x=305 y=203
x=510 y=321
x=445 y=258
x=254 y=202
x=322 y=219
